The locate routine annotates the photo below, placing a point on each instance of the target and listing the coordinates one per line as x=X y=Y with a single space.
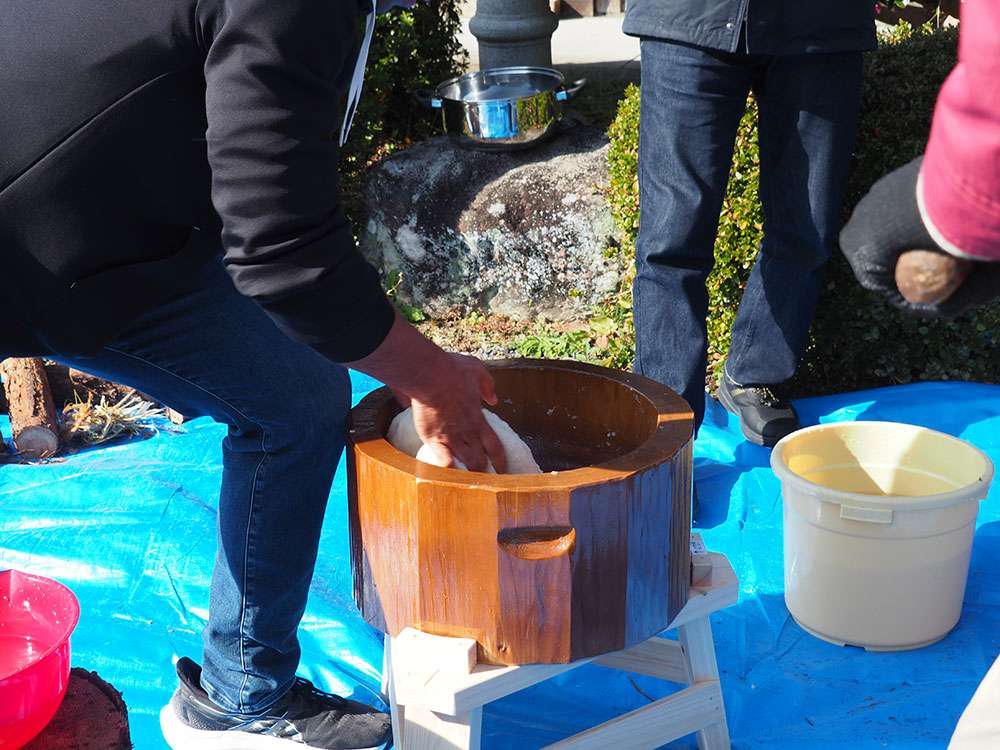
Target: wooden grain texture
x=33 y=420
x=679 y=544
x=600 y=574
x=425 y=730
x=534 y=594
x=450 y=691
x=699 y=648
x=93 y=716
x=589 y=557
x=657 y=657
x=655 y=724
x=719 y=589
x=397 y=710
x=436 y=695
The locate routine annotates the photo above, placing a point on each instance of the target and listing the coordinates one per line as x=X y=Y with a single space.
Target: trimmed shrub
x=857 y=341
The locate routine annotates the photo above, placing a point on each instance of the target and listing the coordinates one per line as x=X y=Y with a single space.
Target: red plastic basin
x=37 y=616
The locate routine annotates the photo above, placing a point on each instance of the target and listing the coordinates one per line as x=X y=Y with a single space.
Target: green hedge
x=857 y=341
x=411 y=49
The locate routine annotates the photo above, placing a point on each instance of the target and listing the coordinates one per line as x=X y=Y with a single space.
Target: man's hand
x=885 y=224
x=450 y=419
x=446 y=392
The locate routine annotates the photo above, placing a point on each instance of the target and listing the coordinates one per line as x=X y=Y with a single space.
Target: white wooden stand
x=437 y=690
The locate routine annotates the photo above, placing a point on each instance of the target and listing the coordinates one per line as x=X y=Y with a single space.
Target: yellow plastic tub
x=879 y=519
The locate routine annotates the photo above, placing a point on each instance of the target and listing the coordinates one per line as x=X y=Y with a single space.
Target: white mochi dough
x=429 y=456
x=403 y=436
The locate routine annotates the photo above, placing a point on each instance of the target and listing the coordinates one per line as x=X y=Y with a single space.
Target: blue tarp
x=131 y=529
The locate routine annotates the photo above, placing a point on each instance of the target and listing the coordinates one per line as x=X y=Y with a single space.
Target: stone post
x=513 y=32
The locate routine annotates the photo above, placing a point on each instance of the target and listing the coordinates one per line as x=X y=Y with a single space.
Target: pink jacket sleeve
x=959 y=187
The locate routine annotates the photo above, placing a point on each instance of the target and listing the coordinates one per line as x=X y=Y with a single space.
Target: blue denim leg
x=692 y=101
x=808 y=117
x=215 y=353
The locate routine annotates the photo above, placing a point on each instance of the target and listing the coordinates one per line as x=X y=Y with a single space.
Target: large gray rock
x=520 y=234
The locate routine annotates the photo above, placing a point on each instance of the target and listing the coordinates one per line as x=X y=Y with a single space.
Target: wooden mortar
x=33 y=421
x=591 y=557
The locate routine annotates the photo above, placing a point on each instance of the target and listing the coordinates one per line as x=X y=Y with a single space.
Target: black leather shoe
x=765 y=417
x=304 y=718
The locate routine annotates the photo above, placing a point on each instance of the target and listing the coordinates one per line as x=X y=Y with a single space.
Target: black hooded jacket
x=139 y=139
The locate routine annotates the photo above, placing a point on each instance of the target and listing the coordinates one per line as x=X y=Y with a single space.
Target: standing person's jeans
x=214 y=352
x=692 y=102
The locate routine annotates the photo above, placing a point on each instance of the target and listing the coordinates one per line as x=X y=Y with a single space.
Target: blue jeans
x=692 y=102
x=213 y=352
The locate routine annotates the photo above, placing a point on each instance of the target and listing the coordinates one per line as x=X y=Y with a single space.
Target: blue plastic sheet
x=130 y=529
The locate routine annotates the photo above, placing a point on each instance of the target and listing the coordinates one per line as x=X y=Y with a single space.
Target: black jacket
x=136 y=133
x=767 y=27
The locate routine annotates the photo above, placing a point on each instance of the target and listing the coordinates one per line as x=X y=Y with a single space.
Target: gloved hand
x=885 y=224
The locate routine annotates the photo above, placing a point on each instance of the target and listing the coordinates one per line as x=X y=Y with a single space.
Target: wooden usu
x=592 y=556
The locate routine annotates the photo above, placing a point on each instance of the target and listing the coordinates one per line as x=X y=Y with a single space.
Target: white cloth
x=979 y=727
x=403 y=435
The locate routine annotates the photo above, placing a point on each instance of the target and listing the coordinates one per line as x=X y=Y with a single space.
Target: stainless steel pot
x=502 y=108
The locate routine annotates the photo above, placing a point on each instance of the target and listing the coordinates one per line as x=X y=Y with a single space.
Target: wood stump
x=33 y=419
x=93 y=716
x=590 y=557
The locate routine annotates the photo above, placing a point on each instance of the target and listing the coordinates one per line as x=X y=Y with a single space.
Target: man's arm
x=276 y=73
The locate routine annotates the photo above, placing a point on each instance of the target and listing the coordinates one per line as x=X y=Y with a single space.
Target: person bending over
x=170 y=218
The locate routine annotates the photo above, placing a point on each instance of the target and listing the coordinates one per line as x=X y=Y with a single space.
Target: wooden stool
x=437 y=690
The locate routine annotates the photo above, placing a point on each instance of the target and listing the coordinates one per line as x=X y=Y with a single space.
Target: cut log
x=930 y=276
x=93 y=716
x=32 y=411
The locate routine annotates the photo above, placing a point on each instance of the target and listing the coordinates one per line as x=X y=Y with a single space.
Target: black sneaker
x=765 y=417
x=304 y=717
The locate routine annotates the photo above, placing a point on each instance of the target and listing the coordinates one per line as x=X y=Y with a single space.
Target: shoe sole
x=753 y=437
x=182 y=737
